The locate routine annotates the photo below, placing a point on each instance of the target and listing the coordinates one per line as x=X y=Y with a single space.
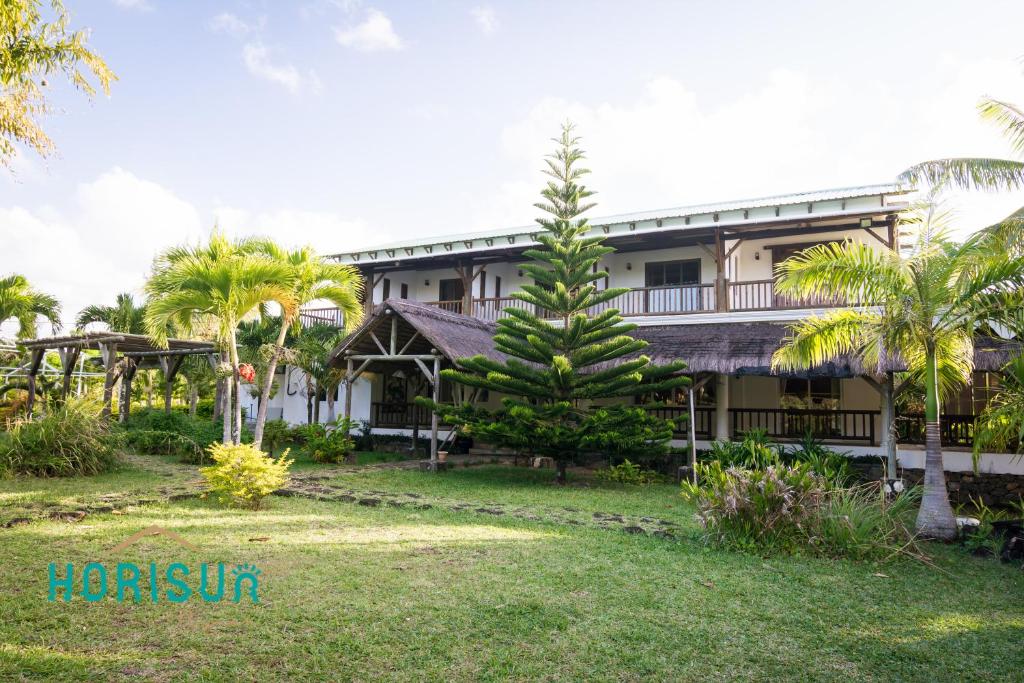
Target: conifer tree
x=562 y=356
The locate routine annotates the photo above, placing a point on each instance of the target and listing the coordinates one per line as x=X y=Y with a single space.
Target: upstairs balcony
x=755 y=295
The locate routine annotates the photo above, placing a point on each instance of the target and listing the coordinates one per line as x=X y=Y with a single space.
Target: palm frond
x=966 y=173
x=1008 y=117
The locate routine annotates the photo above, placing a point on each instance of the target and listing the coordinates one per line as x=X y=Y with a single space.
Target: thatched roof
x=453 y=335
x=727 y=348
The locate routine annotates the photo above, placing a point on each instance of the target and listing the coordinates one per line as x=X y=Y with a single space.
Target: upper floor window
x=667 y=273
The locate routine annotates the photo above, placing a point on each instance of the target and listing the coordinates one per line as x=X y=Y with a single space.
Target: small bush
x=791 y=507
x=242 y=475
x=301 y=434
x=630 y=473
x=754 y=452
x=70 y=440
x=153 y=432
x=275 y=433
x=333 y=447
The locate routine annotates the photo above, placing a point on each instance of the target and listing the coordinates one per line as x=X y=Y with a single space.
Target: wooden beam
x=379 y=343
x=385 y=357
x=706 y=249
x=348 y=390
x=125 y=402
x=394 y=335
x=425 y=371
x=734 y=247
x=878 y=237
x=413 y=338
x=108 y=352
x=68 y=359
x=433 y=414
x=35 y=360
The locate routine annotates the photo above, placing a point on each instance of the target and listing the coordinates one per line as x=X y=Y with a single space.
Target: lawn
x=350 y=591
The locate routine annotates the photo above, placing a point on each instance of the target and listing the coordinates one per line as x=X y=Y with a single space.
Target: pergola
x=418 y=336
x=122 y=355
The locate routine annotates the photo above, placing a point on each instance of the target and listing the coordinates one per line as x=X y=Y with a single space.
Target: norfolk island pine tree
x=563 y=360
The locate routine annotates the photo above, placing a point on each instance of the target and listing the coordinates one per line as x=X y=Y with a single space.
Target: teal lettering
x=184 y=591
x=66 y=583
x=208 y=597
x=124 y=582
x=87 y=582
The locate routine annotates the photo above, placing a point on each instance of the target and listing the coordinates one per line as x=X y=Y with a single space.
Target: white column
x=722 y=408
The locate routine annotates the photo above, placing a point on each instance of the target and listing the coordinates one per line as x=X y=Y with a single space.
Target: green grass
x=350 y=592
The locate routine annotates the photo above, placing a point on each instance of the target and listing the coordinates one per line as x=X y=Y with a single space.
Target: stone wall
x=991 y=489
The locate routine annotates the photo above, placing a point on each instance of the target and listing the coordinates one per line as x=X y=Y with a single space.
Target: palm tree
x=978 y=173
x=928 y=307
x=224 y=280
x=19 y=300
x=313 y=279
x=1002 y=422
x=313 y=353
x=124 y=316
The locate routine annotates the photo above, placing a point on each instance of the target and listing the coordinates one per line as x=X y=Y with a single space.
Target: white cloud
x=105 y=242
x=139 y=5
x=373 y=34
x=258 y=61
x=231 y=24
x=485 y=18
x=671 y=147
x=325 y=231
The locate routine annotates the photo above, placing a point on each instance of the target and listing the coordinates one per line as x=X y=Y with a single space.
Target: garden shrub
x=70 y=440
x=242 y=475
x=754 y=451
x=628 y=472
x=788 y=507
x=832 y=465
x=301 y=434
x=333 y=447
x=153 y=432
x=275 y=433
x=748 y=509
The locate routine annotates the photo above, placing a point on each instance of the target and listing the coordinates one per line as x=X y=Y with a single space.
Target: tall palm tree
x=124 y=316
x=978 y=173
x=313 y=352
x=313 y=279
x=223 y=280
x=928 y=307
x=19 y=300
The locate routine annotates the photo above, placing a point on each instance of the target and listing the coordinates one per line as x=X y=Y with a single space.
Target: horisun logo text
x=173 y=582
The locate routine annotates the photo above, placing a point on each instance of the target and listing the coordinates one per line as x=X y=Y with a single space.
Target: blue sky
x=347 y=123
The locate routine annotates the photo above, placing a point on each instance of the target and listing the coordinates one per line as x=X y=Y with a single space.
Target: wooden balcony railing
x=793 y=423
x=398 y=415
x=954 y=430
x=704 y=419
x=760 y=295
x=321 y=316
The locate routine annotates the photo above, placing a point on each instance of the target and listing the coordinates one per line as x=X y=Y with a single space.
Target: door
x=670 y=286
x=450 y=293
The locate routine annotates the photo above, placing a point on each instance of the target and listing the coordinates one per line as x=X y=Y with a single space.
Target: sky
x=344 y=123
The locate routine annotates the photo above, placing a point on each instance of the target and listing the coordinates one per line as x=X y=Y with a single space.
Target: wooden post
x=348 y=390
x=127 y=375
x=692 y=433
x=108 y=352
x=169 y=366
x=722 y=408
x=433 y=414
x=721 y=291
x=68 y=358
x=35 y=360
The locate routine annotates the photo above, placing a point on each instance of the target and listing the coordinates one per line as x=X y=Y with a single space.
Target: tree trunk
x=193 y=400
x=560 y=477
x=316 y=403
x=935 y=518
x=268 y=384
x=236 y=380
x=225 y=411
x=330 y=404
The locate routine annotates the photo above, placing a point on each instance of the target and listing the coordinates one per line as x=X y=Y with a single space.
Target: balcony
x=754 y=295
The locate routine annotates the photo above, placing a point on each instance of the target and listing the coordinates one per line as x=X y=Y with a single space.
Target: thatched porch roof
x=453 y=335
x=726 y=348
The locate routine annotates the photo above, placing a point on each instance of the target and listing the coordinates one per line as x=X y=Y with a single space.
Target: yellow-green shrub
x=243 y=475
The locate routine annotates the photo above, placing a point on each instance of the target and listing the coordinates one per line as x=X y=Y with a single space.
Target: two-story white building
x=701 y=290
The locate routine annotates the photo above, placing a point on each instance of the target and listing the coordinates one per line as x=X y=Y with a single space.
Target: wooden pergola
x=122 y=355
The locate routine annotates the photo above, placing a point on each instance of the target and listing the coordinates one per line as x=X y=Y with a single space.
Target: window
x=672 y=273
x=387 y=288
x=405 y=291
x=497 y=286
x=819 y=393
x=483 y=284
